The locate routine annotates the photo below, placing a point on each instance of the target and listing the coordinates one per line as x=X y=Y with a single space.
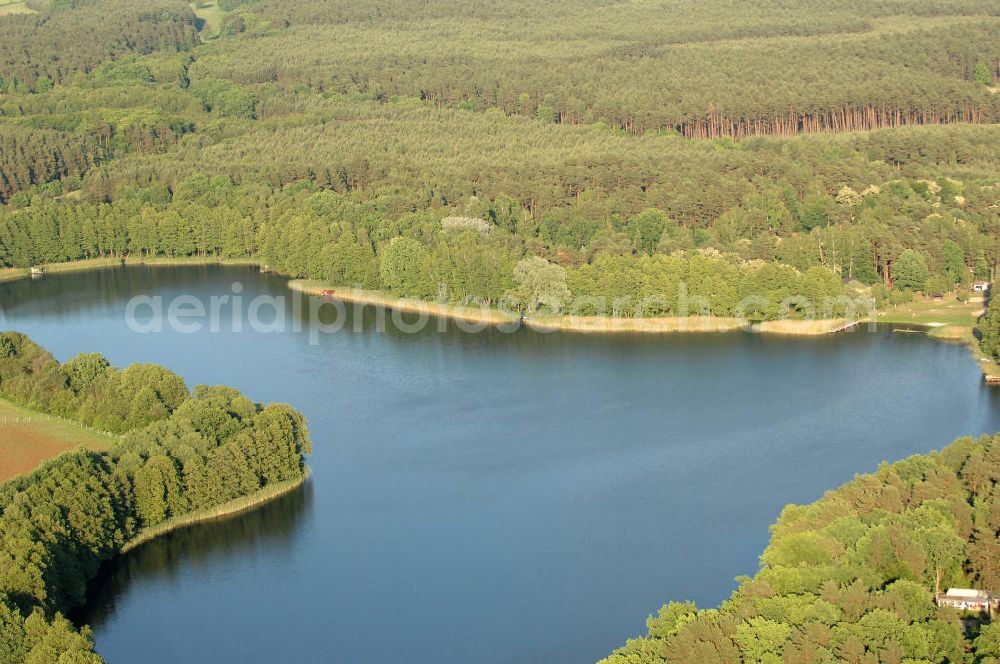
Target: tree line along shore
x=485 y=315
x=178 y=457
x=179 y=143
x=948 y=318
x=512 y=319
x=623 y=162
x=854 y=576
x=954 y=317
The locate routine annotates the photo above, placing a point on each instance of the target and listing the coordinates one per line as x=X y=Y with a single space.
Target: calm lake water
x=492 y=497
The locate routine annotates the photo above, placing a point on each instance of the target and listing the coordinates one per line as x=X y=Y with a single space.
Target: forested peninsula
x=853 y=576
x=183 y=456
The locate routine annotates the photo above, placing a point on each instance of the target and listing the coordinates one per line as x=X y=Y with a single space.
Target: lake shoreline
x=950 y=322
x=8 y=274
x=361 y=376
x=489 y=317
x=233 y=508
x=485 y=316
x=475 y=315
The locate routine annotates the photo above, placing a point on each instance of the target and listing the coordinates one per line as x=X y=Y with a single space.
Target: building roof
x=966 y=593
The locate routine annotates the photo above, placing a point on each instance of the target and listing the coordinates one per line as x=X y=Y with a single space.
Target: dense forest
x=479 y=139
x=881 y=227
x=702 y=69
x=852 y=577
x=39 y=50
x=180 y=452
x=988 y=331
x=660 y=152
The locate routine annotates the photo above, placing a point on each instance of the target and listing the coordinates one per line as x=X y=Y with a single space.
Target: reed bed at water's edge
x=232 y=508
x=479 y=315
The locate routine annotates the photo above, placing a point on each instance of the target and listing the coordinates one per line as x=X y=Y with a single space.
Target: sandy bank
x=480 y=315
x=485 y=316
x=599 y=324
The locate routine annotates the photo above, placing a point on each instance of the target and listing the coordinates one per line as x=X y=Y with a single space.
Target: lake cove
x=481 y=316
x=491 y=497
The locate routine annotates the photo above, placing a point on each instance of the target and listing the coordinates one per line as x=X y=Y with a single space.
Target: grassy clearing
x=15 y=8
x=925 y=311
x=28 y=438
x=232 y=508
x=211 y=14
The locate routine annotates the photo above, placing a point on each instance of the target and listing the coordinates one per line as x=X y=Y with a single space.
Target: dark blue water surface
x=492 y=497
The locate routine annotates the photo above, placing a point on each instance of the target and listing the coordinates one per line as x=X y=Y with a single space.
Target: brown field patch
x=29 y=438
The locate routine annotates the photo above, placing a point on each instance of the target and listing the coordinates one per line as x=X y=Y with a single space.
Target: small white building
x=965 y=599
x=980 y=286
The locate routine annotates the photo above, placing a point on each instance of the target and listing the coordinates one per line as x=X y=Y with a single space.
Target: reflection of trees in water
x=107 y=289
x=269 y=532
x=105 y=292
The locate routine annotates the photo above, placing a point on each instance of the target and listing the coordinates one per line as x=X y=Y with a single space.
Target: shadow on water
x=103 y=290
x=269 y=531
